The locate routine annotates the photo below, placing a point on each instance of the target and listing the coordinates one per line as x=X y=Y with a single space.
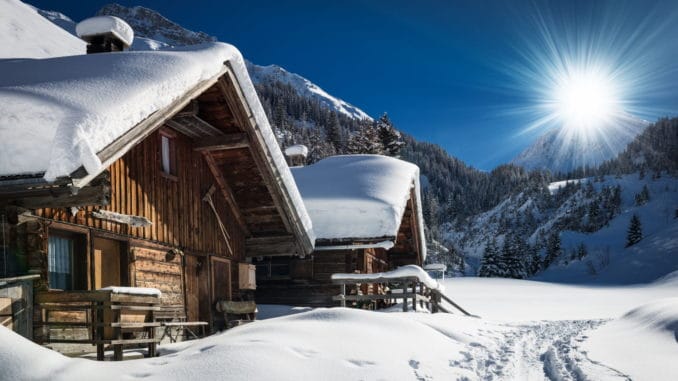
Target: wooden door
x=221 y=279
x=110 y=263
x=197 y=288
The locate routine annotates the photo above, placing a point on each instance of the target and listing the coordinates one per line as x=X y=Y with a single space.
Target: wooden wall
x=174 y=203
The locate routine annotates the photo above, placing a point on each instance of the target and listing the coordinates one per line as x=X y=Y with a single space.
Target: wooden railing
x=104 y=318
x=413 y=293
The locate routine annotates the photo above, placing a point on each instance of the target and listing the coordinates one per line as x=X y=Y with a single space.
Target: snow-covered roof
x=297 y=150
x=358 y=196
x=98 y=25
x=56 y=114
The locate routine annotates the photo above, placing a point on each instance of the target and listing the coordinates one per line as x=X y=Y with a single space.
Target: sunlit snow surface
x=528 y=331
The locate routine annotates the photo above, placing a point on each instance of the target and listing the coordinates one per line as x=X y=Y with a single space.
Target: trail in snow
x=547 y=350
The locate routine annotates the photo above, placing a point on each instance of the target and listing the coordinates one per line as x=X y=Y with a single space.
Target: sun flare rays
x=590 y=76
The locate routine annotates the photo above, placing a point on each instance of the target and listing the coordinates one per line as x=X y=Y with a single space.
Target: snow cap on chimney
x=105 y=34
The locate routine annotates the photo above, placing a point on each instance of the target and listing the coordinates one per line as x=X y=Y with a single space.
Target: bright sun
x=584 y=100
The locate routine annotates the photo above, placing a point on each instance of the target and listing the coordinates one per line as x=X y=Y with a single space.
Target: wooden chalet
x=181 y=202
x=366 y=214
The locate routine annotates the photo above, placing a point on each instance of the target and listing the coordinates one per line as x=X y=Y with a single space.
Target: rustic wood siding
x=174 y=204
x=151 y=269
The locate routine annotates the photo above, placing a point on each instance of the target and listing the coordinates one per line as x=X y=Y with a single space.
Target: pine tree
x=553 y=249
x=535 y=260
x=489 y=264
x=643 y=197
x=635 y=231
x=390 y=138
x=581 y=251
x=510 y=261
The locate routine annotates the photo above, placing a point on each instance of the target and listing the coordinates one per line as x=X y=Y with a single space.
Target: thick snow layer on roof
x=106 y=24
x=57 y=114
x=358 y=196
x=297 y=150
x=26 y=34
x=409 y=271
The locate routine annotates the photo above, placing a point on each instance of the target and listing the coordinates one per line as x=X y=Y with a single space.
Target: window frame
x=165 y=134
x=78 y=259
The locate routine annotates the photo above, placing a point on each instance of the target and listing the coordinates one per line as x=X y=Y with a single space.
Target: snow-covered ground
x=527 y=331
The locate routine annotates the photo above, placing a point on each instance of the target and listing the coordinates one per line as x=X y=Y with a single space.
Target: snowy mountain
x=591 y=218
x=558 y=151
x=304 y=88
x=153 y=31
x=26 y=34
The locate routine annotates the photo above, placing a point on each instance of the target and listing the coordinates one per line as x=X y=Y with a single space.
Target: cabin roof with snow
x=65 y=120
x=358 y=199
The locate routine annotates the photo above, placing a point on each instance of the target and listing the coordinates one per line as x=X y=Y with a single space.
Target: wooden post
x=404 y=297
x=343 y=295
x=151 y=332
x=99 y=329
x=117 y=348
x=414 y=296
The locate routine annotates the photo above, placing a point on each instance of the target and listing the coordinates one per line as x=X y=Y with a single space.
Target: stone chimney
x=105 y=34
x=296 y=155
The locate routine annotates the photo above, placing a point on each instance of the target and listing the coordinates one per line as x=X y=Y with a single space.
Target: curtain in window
x=60 y=263
x=166 y=158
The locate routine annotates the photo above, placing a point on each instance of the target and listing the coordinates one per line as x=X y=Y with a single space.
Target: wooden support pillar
x=414 y=296
x=343 y=295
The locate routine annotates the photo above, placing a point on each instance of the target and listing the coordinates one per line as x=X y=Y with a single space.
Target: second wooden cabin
x=366 y=213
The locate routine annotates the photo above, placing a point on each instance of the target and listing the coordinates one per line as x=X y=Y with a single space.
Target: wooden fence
x=103 y=317
x=413 y=293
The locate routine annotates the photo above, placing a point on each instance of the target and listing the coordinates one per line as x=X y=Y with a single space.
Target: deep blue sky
x=441 y=69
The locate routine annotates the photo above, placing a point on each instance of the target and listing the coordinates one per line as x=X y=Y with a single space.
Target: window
x=65 y=262
x=168 y=153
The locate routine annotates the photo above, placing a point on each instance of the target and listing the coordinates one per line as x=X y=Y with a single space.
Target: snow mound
x=98 y=25
x=642 y=344
x=323 y=344
x=357 y=196
x=26 y=34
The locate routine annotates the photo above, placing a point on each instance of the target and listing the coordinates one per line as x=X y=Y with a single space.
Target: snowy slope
x=305 y=88
x=557 y=152
x=24 y=33
x=608 y=260
x=528 y=331
x=153 y=32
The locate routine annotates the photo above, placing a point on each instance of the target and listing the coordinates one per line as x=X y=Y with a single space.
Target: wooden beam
x=193 y=126
x=222 y=142
x=191 y=109
x=96 y=193
x=264 y=159
x=271 y=246
x=225 y=191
